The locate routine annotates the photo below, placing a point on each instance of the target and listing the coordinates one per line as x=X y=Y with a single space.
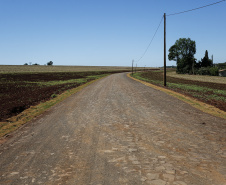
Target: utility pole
x=132 y=66
x=164 y=78
x=193 y=67
x=212 y=59
x=136 y=68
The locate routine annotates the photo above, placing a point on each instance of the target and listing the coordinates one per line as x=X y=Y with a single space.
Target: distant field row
x=201 y=78
x=37 y=69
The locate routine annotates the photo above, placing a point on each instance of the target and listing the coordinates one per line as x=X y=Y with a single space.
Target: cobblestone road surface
x=118 y=131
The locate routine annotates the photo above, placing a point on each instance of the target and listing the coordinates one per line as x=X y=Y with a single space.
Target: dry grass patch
x=201 y=78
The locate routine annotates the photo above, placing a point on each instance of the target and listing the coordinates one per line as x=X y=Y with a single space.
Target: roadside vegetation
x=207 y=92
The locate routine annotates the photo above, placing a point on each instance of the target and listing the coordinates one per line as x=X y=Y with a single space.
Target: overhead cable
x=150 y=42
x=195 y=8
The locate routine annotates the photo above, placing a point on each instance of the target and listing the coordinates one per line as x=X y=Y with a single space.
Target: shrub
x=214 y=71
x=203 y=71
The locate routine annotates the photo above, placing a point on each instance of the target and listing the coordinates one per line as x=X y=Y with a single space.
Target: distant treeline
x=50 y=63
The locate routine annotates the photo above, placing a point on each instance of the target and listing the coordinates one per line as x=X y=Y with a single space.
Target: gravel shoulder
x=117 y=131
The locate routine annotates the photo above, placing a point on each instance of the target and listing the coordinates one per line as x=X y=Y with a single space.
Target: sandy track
x=117 y=131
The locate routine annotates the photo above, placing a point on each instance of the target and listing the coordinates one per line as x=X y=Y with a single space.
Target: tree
x=183 y=52
x=50 y=63
x=206 y=62
x=26 y=64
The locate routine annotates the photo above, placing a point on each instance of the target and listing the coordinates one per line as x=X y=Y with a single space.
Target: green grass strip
x=61 y=82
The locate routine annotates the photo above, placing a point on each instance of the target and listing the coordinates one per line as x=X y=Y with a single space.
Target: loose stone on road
x=117 y=131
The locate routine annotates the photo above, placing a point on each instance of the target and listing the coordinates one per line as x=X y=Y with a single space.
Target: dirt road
x=118 y=131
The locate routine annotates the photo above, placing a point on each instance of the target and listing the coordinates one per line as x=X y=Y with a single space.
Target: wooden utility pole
x=212 y=59
x=164 y=78
x=132 y=66
x=193 y=66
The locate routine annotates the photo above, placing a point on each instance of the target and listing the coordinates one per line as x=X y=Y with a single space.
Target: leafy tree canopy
x=206 y=62
x=50 y=63
x=183 y=52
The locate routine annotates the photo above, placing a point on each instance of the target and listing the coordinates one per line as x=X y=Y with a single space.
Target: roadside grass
x=205 y=94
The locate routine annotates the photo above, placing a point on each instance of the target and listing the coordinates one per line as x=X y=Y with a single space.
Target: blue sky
x=106 y=32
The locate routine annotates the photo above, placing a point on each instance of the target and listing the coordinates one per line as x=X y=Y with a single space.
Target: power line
x=196 y=8
x=150 y=41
